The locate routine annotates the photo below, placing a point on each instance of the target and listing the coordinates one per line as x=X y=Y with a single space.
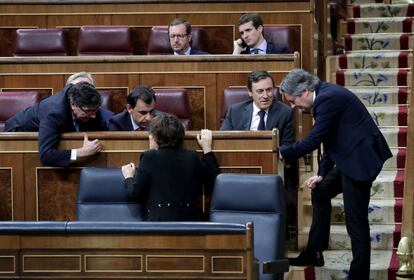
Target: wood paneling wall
x=142 y=15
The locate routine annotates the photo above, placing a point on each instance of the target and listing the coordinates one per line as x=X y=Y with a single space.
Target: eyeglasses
x=89 y=111
x=179 y=36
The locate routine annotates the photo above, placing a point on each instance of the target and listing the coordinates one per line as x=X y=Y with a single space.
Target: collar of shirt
x=256 y=118
x=134 y=125
x=314 y=95
x=188 y=51
x=75 y=123
x=262 y=47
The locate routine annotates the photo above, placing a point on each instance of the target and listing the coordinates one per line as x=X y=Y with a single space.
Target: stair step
x=378 y=42
x=402 y=1
x=381 y=96
x=392 y=115
x=381 y=10
x=386 y=77
x=384 y=211
x=378 y=25
x=389 y=184
x=397 y=161
x=384 y=265
x=383 y=237
x=374 y=60
x=395 y=136
x=350 y=2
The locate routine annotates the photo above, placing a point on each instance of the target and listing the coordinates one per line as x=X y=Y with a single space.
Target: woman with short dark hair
x=169 y=178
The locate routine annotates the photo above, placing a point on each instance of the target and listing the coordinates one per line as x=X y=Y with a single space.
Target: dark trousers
x=356 y=197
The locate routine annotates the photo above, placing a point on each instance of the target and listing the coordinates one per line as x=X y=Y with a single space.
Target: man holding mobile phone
x=252 y=40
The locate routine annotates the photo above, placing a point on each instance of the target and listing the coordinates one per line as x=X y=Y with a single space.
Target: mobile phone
x=243 y=44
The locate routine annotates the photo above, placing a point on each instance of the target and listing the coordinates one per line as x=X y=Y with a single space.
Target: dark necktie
x=254 y=51
x=139 y=129
x=261 y=125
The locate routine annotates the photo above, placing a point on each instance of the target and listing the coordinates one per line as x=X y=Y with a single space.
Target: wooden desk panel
x=204 y=77
x=141 y=255
x=36 y=192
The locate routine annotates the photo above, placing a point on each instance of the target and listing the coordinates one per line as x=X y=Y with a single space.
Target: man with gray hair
x=80 y=77
x=354 y=153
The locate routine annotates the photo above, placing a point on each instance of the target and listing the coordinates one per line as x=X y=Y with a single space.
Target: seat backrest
x=102 y=197
x=159 y=42
x=286 y=36
x=12 y=102
x=241 y=198
x=106 y=99
x=174 y=101
x=41 y=42
x=231 y=96
x=105 y=40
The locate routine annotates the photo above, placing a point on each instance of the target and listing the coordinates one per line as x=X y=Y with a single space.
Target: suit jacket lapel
x=272 y=116
x=128 y=122
x=247 y=116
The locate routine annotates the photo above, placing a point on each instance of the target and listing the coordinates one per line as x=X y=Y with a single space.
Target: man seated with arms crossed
x=252 y=40
x=179 y=32
x=140 y=110
x=74 y=108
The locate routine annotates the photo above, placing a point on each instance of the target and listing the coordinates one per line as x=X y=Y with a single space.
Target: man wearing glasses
x=75 y=108
x=179 y=32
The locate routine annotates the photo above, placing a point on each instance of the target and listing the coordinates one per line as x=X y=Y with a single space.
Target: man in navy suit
x=140 y=110
x=246 y=114
x=252 y=40
x=179 y=32
x=354 y=153
x=74 y=108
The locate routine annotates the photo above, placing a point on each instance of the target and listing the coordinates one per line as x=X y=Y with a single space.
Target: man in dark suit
x=140 y=110
x=252 y=40
x=74 y=108
x=246 y=115
x=179 y=32
x=354 y=153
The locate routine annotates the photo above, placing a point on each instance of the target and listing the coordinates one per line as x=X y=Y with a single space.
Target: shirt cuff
x=73 y=155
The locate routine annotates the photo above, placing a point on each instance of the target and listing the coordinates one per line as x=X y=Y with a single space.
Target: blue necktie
x=255 y=51
x=261 y=125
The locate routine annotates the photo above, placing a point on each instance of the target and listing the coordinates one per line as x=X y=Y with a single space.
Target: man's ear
x=190 y=37
x=72 y=104
x=250 y=93
x=129 y=108
x=260 y=28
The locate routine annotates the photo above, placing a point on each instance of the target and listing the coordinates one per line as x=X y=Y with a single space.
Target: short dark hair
x=144 y=93
x=178 y=21
x=257 y=76
x=253 y=17
x=168 y=131
x=84 y=95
